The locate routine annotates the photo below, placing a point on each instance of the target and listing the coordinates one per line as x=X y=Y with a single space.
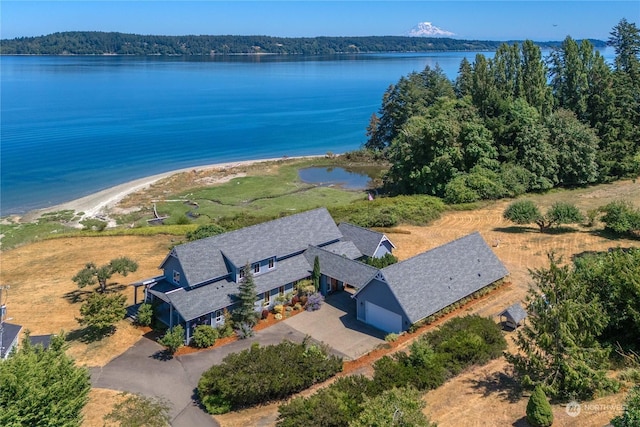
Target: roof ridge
x=433 y=249
x=360 y=227
x=340 y=256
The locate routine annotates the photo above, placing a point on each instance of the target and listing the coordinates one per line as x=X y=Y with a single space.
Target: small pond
x=336 y=176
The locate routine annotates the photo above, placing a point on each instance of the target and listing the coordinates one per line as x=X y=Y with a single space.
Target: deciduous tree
x=394 y=407
x=92 y=274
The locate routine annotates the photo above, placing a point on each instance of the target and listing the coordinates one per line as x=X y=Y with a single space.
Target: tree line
x=102 y=43
x=514 y=123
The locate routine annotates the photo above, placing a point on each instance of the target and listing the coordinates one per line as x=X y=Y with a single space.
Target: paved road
x=141 y=369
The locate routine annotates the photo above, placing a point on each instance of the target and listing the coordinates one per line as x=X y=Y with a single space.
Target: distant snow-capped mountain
x=427 y=29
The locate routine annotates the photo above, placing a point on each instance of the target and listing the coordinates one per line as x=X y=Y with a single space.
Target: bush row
x=432 y=359
x=389 y=211
x=261 y=374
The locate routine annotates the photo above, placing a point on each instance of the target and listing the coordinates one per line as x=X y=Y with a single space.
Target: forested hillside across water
x=112 y=43
x=514 y=123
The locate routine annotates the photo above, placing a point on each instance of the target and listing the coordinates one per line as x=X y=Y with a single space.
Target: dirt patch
x=101 y=402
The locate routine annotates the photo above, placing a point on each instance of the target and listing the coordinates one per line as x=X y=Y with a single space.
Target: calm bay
x=71 y=126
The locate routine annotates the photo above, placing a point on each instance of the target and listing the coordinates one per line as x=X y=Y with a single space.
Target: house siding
x=378 y=293
x=171 y=265
x=384 y=248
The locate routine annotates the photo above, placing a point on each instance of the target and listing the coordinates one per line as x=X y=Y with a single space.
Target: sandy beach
x=99 y=203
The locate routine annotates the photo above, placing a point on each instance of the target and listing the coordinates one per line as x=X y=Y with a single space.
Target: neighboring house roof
x=355 y=273
x=346 y=248
x=431 y=281
x=367 y=241
x=43 y=340
x=515 y=313
x=10 y=334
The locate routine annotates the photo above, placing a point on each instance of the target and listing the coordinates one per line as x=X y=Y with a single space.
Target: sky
x=483 y=20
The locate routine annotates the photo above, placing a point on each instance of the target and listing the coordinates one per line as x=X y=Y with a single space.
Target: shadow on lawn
x=81 y=294
x=499 y=383
x=89 y=334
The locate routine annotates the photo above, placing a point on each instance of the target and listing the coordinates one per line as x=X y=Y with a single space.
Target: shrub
x=100 y=312
x=382 y=262
x=621 y=217
x=265 y=314
x=173 y=339
x=391 y=337
x=204 y=336
x=278 y=316
x=262 y=374
x=631 y=415
x=298 y=306
x=138 y=410
x=244 y=330
x=203 y=231
x=314 y=302
x=539 y=413
x=226 y=329
x=278 y=308
x=145 y=315
x=93 y=224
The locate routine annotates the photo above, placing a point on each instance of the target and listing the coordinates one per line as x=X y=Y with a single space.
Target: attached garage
x=382 y=318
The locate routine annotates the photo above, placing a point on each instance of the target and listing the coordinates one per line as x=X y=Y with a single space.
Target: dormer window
x=176 y=277
x=242 y=273
x=256 y=268
x=272 y=262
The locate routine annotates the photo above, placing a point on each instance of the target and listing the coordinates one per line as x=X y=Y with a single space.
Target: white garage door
x=382 y=318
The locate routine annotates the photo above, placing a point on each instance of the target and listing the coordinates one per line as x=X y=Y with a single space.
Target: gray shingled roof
x=204 y=259
x=367 y=241
x=195 y=302
x=10 y=334
x=437 y=278
x=515 y=313
x=201 y=261
x=346 y=248
x=341 y=268
x=287 y=271
x=280 y=237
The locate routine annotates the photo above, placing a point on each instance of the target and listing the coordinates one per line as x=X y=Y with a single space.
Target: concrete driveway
x=336 y=325
x=142 y=369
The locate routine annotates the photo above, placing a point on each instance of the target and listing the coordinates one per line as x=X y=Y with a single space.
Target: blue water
x=71 y=126
x=330 y=176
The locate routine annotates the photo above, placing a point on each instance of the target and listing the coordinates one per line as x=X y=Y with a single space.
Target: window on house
x=272 y=262
x=219 y=316
x=242 y=273
x=256 y=268
x=281 y=290
x=176 y=277
x=267 y=296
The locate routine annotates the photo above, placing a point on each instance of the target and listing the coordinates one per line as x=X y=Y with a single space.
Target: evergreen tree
x=558 y=349
x=315 y=275
x=539 y=413
x=464 y=81
x=246 y=312
x=42 y=387
x=625 y=39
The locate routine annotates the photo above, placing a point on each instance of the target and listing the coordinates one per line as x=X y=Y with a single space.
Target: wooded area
x=514 y=123
x=112 y=43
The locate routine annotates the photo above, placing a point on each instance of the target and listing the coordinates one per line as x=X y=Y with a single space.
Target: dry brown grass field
x=41 y=293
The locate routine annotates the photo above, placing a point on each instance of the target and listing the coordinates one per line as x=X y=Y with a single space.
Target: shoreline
x=100 y=201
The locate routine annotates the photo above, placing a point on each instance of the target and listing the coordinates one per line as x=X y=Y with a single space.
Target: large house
x=200 y=279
